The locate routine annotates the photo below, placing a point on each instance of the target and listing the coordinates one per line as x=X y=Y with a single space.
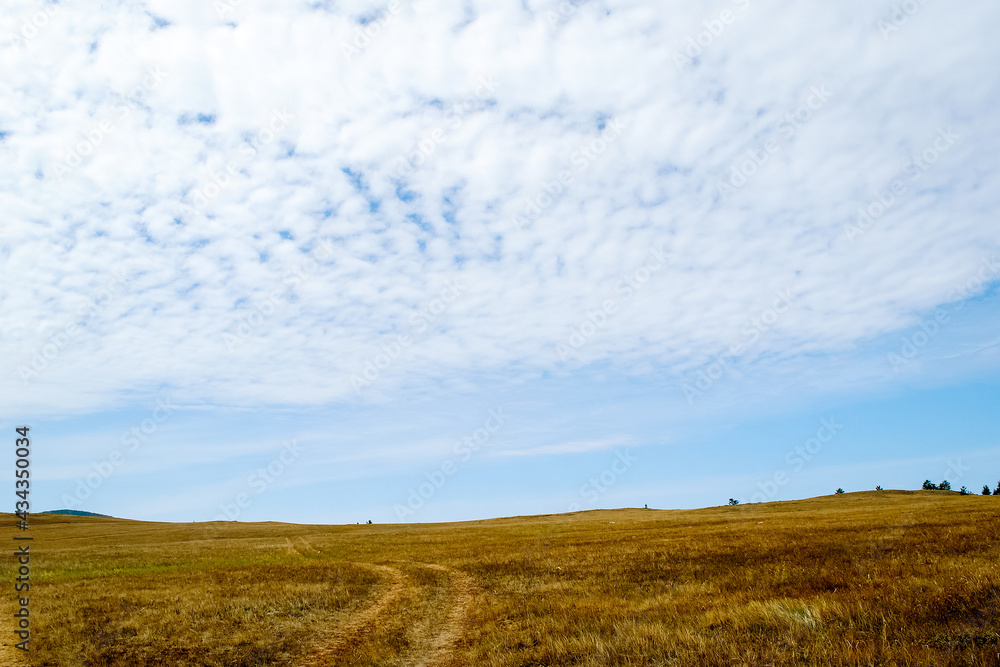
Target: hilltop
x=75 y=513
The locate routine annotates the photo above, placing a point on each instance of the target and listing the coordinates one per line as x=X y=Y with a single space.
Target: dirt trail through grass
x=343 y=637
x=461 y=592
x=435 y=635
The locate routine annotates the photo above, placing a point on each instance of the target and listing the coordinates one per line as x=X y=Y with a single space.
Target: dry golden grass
x=880 y=578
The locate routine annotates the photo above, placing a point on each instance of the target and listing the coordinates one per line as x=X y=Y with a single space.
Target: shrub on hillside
x=986 y=489
x=945 y=485
x=929 y=485
x=963 y=491
x=839 y=491
x=996 y=491
x=733 y=501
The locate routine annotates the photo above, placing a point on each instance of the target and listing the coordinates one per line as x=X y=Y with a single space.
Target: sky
x=419 y=260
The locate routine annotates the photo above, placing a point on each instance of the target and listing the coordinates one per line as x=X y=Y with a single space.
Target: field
x=875 y=578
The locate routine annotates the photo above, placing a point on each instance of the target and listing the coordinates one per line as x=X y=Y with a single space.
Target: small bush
x=963 y=491
x=945 y=485
x=986 y=489
x=839 y=491
x=878 y=488
x=929 y=485
x=733 y=501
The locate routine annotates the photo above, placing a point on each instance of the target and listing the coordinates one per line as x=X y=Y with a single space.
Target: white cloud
x=328 y=176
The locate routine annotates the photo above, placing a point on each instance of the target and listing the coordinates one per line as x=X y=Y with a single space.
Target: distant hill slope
x=75 y=513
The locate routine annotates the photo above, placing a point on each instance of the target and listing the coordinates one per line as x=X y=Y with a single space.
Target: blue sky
x=423 y=261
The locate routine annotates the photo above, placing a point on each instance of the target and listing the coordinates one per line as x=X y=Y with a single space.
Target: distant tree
x=945 y=485
x=986 y=489
x=733 y=501
x=369 y=520
x=878 y=488
x=929 y=485
x=996 y=491
x=963 y=491
x=840 y=490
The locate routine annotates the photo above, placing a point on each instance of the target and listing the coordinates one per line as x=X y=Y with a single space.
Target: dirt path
x=461 y=592
x=436 y=651
x=343 y=636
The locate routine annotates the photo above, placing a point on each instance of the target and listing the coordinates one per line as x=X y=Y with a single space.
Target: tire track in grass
x=461 y=593
x=292 y=551
x=438 y=651
x=342 y=637
x=310 y=549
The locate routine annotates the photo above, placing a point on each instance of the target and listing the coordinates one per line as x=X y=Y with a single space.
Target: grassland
x=879 y=578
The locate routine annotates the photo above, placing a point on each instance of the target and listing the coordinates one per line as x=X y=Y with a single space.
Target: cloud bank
x=302 y=203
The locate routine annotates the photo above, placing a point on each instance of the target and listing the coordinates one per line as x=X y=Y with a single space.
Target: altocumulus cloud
x=77 y=86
